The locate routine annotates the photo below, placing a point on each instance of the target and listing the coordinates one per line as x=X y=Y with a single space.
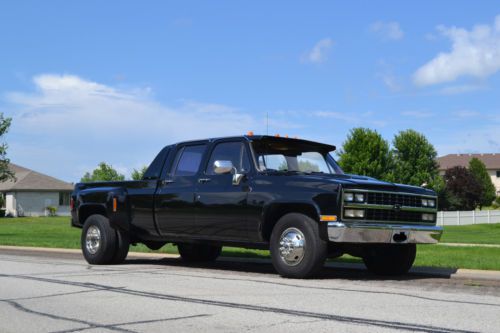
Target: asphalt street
x=46 y=292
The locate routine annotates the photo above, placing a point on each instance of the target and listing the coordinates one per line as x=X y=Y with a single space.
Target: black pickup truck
x=282 y=194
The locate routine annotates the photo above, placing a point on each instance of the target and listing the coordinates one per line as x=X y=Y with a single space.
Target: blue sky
x=115 y=81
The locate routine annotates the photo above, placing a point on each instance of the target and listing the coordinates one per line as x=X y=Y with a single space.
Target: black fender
x=274 y=210
x=110 y=202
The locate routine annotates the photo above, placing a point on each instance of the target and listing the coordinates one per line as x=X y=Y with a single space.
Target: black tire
x=122 y=247
x=198 y=252
x=390 y=259
x=313 y=256
x=106 y=250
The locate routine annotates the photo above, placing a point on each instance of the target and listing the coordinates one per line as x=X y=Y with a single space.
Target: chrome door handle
x=166 y=181
x=203 y=180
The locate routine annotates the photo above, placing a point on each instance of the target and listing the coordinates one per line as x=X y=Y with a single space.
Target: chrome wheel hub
x=93 y=239
x=292 y=246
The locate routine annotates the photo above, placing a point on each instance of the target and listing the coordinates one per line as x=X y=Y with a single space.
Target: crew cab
x=256 y=191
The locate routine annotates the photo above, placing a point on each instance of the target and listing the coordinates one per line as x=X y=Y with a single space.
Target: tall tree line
x=411 y=159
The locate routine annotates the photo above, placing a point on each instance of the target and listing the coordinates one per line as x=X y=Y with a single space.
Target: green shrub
x=51 y=210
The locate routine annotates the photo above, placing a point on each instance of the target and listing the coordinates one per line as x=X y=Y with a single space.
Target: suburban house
x=491 y=161
x=32 y=192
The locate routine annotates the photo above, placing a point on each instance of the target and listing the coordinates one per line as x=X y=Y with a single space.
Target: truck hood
x=364 y=182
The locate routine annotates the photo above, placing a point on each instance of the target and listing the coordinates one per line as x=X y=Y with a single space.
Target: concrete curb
x=460 y=273
x=469 y=245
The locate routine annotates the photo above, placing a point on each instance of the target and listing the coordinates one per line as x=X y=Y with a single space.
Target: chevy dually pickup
x=262 y=192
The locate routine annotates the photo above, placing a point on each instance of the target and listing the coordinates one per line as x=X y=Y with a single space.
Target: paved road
x=43 y=292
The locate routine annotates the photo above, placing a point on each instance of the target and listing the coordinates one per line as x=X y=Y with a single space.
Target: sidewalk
x=449 y=273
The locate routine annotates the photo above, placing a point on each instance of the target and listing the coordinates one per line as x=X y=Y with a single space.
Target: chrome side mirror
x=237 y=178
x=223 y=167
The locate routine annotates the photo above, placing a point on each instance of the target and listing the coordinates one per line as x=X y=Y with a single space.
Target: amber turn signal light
x=328 y=218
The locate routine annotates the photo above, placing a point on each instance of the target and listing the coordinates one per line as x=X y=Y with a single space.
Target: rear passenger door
x=175 y=211
x=222 y=206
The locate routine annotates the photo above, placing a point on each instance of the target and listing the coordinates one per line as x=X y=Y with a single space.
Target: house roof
x=491 y=161
x=29 y=180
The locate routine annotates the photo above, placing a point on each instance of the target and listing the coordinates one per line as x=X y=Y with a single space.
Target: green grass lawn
x=56 y=232
x=473 y=234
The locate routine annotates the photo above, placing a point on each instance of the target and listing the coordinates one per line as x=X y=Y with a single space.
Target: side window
x=188 y=160
x=154 y=169
x=229 y=151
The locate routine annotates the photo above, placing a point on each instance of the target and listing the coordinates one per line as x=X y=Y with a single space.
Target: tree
x=464 y=191
x=5 y=172
x=478 y=170
x=104 y=172
x=365 y=152
x=439 y=186
x=138 y=174
x=414 y=159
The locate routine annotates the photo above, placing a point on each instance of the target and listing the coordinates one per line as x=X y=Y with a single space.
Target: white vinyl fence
x=468 y=217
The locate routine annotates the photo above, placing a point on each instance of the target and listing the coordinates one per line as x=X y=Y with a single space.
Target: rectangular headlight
x=359 y=197
x=428 y=217
x=352 y=213
x=428 y=203
x=348 y=197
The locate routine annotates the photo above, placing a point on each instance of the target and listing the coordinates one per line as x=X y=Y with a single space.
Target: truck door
x=222 y=206
x=141 y=195
x=174 y=206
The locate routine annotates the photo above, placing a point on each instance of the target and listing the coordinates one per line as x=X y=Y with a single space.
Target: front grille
x=394 y=216
x=384 y=198
x=390 y=207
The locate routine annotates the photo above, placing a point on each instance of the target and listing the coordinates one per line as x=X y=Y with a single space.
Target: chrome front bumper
x=383 y=233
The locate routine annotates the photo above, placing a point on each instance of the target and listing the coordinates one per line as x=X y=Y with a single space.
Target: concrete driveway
x=47 y=292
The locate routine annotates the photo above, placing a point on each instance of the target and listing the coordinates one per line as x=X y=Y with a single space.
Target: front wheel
x=390 y=259
x=297 y=251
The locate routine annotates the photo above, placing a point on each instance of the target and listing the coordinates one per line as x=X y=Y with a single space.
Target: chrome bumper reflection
x=383 y=233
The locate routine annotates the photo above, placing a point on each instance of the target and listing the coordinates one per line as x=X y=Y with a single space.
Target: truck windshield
x=294 y=158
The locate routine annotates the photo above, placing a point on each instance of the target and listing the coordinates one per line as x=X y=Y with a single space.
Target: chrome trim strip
x=386 y=222
x=382 y=233
x=390 y=207
x=390 y=192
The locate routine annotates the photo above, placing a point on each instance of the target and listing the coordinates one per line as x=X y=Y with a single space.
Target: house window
x=64 y=198
x=498 y=173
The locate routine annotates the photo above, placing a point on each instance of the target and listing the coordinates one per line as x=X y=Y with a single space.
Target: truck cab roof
x=273 y=140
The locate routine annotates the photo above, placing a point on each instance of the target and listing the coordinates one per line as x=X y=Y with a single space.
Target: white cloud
x=335 y=115
x=417 y=114
x=474 y=52
x=461 y=89
x=67 y=114
x=465 y=113
x=391 y=82
x=387 y=30
x=319 y=52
